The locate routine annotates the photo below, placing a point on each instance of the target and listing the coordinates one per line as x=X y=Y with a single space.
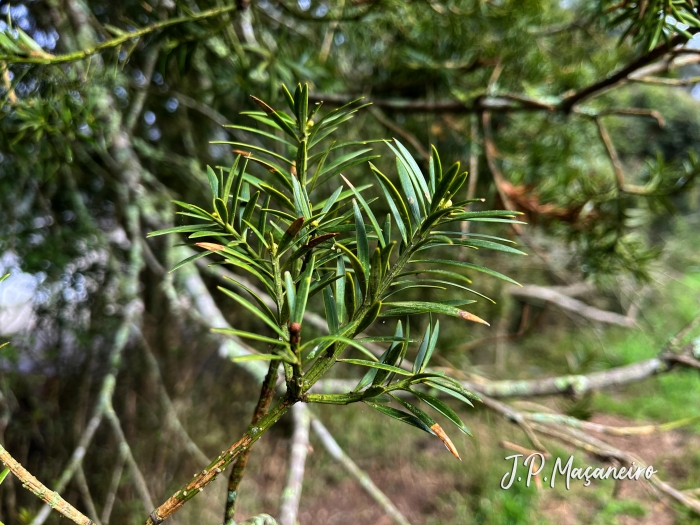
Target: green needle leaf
x=330 y=307
x=183 y=229
x=248 y=335
x=444 y=409
x=422 y=350
x=418 y=307
x=380 y=366
x=256 y=357
x=362 y=243
x=303 y=292
x=431 y=423
x=221 y=209
x=359 y=270
x=291 y=291
x=469 y=266
x=396 y=203
x=400 y=415
x=253 y=309
x=213 y=182
x=368 y=211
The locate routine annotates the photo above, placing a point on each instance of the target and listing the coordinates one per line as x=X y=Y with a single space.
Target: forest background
x=582 y=115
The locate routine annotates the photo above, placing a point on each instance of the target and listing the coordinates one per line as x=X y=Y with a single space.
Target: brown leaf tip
x=262 y=105
x=210 y=246
x=243 y=152
x=440 y=433
x=471 y=317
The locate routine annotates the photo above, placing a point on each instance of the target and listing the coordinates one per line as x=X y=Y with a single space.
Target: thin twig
x=202 y=108
x=578 y=384
x=127 y=36
x=522 y=450
x=499 y=180
x=491 y=153
x=260 y=519
x=113 y=487
x=547 y=294
x=641 y=67
x=327 y=42
x=603 y=449
x=36 y=487
x=539 y=417
x=473 y=175
x=677 y=339
x=140 y=98
x=684 y=360
x=139 y=480
x=612 y=154
x=516 y=417
x=473 y=161
x=291 y=495
x=267 y=392
x=199 y=482
x=85 y=493
x=668 y=81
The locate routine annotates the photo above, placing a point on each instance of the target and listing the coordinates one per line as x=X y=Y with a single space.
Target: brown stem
x=46 y=58
x=602 y=449
x=612 y=154
x=209 y=474
x=473 y=161
x=622 y=74
x=51 y=498
x=578 y=384
x=267 y=392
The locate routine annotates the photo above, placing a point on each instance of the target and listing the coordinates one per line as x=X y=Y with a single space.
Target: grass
x=670 y=396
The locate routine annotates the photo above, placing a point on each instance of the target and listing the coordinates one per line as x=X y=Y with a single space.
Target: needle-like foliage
x=297 y=247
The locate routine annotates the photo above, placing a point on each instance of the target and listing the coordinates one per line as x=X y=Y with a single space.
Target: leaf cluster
x=273 y=228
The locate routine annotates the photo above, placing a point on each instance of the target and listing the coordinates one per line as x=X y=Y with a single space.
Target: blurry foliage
x=390 y=49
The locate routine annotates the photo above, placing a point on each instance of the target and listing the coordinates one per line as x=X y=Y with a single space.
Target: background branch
x=291 y=495
x=531 y=292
